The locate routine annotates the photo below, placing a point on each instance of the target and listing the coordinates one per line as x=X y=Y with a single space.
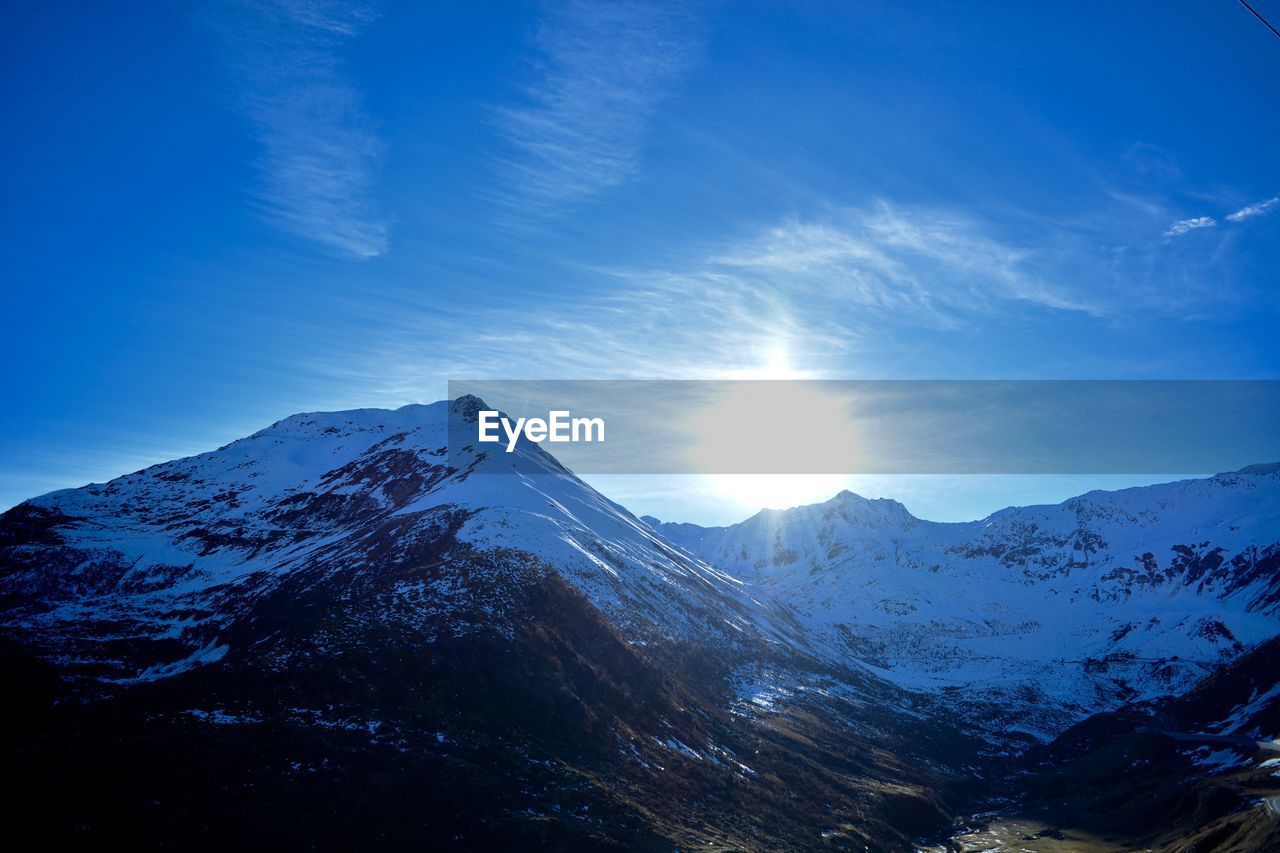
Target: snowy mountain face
x=1059 y=610
x=1049 y=612
x=141 y=577
x=334 y=624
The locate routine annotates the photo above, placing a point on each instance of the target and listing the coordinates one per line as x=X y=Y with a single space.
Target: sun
x=777 y=365
x=752 y=492
x=774 y=363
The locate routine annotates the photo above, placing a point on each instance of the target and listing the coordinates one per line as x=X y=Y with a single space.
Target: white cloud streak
x=604 y=69
x=924 y=266
x=1184 y=226
x=821 y=291
x=320 y=154
x=1251 y=210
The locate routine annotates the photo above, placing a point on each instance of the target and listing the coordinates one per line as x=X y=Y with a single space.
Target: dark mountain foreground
x=1182 y=774
x=562 y=735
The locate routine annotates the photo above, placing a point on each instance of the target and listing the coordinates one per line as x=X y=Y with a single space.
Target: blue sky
x=220 y=214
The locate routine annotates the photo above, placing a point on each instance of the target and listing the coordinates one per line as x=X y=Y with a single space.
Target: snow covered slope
x=336 y=624
x=1064 y=609
x=135 y=579
x=1044 y=613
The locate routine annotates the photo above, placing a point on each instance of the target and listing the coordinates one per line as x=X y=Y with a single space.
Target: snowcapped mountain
x=335 y=623
x=342 y=615
x=1062 y=610
x=153 y=566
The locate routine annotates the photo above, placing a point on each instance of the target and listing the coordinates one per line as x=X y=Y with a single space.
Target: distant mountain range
x=337 y=630
x=1060 y=610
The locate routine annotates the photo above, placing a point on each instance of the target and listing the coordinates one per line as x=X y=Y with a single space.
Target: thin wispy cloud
x=1261 y=208
x=917 y=265
x=1252 y=210
x=320 y=154
x=1184 y=226
x=822 y=291
x=603 y=69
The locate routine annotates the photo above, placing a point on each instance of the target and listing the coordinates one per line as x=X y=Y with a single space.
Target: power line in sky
x=1258 y=15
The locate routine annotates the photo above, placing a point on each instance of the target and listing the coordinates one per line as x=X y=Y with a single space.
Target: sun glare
x=751 y=492
x=774 y=363
x=777 y=365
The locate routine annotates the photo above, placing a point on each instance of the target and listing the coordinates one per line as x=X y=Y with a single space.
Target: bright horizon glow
x=728 y=499
x=754 y=492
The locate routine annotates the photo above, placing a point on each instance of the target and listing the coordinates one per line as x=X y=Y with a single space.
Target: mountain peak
x=845 y=496
x=846 y=505
x=853 y=505
x=467 y=407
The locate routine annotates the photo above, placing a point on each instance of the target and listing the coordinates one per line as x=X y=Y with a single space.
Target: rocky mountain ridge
x=1073 y=608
